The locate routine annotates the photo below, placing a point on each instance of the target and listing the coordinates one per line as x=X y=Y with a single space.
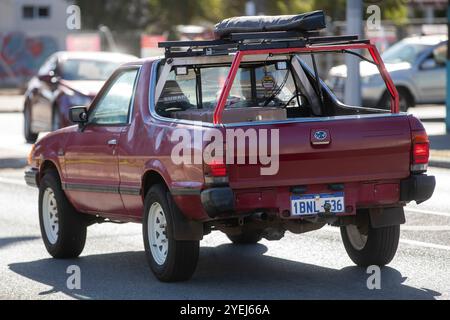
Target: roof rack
x=252 y=41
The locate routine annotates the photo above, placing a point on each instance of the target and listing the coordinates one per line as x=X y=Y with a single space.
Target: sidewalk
x=10 y=101
x=440 y=151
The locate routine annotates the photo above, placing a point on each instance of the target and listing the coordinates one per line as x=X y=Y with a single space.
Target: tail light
x=216 y=173
x=420 y=151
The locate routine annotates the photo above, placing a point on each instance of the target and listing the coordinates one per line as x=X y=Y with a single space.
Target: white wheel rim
x=356 y=238
x=156 y=229
x=50 y=216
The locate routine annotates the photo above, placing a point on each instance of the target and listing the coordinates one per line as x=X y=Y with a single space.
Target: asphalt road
x=309 y=266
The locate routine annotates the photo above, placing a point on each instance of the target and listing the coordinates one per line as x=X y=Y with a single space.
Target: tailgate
x=360 y=148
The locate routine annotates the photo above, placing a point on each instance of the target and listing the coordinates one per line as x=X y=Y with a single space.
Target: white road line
x=425 y=228
x=436 y=213
x=425 y=244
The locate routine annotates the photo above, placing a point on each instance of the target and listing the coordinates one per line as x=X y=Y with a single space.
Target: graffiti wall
x=21 y=56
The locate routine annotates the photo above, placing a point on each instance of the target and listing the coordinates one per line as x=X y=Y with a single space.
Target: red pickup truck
x=237 y=134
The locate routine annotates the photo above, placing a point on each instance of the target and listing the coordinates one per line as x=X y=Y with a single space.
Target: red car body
x=370 y=157
x=377 y=159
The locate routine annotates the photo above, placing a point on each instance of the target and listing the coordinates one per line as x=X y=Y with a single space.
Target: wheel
x=367 y=246
x=405 y=101
x=63 y=229
x=169 y=259
x=56 y=119
x=30 y=137
x=246 y=237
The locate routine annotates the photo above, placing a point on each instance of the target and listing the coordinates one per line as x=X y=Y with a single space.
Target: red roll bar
x=217 y=119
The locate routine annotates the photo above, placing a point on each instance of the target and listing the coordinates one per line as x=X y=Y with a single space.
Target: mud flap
x=385 y=217
x=183 y=229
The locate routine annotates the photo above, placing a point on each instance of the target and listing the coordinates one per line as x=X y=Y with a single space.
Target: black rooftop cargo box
x=311 y=21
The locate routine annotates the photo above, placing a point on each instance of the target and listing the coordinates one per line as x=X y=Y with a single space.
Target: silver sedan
x=417 y=67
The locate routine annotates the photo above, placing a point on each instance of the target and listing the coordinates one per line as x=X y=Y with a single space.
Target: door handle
x=112 y=142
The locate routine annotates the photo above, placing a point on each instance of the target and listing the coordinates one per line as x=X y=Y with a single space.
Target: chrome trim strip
x=185 y=192
x=31 y=177
x=101 y=189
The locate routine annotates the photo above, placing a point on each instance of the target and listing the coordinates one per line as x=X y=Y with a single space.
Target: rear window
x=78 y=69
x=257 y=85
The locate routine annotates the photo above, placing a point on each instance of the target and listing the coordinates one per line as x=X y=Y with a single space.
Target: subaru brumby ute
x=237 y=134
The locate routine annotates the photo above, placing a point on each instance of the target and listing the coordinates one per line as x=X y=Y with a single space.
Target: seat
x=172 y=98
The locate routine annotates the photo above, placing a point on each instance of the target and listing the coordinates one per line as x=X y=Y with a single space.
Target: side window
x=440 y=55
x=113 y=107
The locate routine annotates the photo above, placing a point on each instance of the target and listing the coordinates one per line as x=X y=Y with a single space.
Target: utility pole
x=447 y=117
x=250 y=8
x=354 y=26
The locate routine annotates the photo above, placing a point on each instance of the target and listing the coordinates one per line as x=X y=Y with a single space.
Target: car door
x=431 y=76
x=44 y=94
x=91 y=160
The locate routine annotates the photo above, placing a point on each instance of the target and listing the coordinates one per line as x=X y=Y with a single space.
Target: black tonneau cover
x=306 y=22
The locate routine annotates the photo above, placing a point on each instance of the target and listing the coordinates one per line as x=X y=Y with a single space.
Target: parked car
x=417 y=67
x=329 y=163
x=65 y=80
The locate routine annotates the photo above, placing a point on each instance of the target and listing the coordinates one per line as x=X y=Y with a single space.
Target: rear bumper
x=221 y=201
x=417 y=187
x=31 y=177
x=217 y=201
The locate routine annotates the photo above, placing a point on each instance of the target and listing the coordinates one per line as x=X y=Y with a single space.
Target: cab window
x=114 y=106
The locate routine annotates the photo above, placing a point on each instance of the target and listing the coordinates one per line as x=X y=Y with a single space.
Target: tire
x=370 y=246
x=170 y=260
x=246 y=237
x=405 y=100
x=63 y=229
x=30 y=136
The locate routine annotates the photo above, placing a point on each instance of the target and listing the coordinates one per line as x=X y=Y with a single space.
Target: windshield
x=77 y=69
x=403 y=52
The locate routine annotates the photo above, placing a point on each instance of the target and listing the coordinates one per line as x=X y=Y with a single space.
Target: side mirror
x=78 y=115
x=429 y=64
x=50 y=77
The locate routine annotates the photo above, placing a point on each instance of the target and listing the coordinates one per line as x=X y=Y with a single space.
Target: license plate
x=310 y=204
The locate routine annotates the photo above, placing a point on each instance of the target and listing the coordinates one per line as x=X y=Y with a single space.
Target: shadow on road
x=223 y=272
x=4 y=242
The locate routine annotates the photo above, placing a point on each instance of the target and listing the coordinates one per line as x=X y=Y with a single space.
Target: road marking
x=425 y=228
x=425 y=244
x=12 y=181
x=436 y=213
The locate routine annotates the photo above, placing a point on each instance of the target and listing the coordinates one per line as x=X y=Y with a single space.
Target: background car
x=66 y=79
x=417 y=67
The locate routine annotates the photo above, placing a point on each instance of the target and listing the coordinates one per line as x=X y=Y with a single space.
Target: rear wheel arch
x=151 y=178
x=184 y=229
